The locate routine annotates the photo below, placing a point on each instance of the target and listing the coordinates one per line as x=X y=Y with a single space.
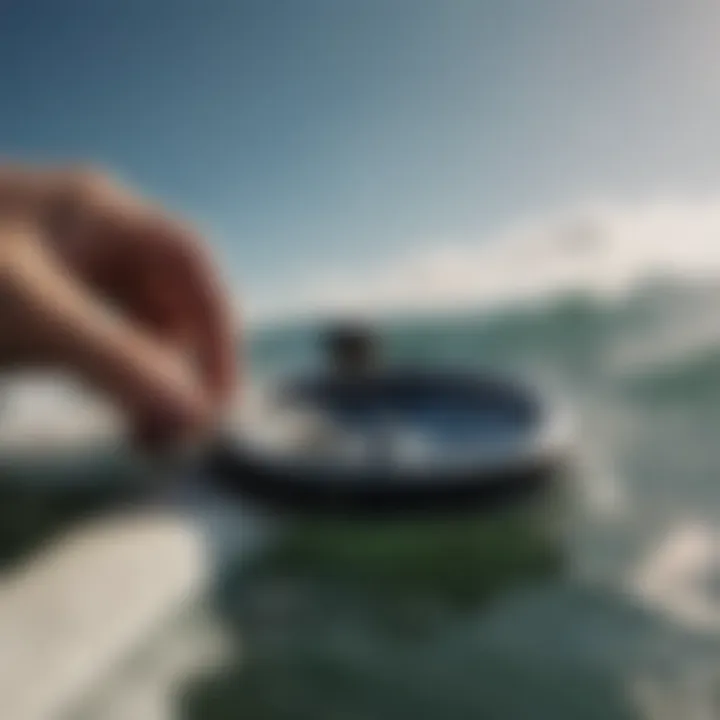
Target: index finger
x=205 y=305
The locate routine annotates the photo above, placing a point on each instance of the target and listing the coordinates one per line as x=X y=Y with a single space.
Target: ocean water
x=628 y=629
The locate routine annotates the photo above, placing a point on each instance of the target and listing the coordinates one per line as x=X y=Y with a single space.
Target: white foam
x=49 y=411
x=678 y=578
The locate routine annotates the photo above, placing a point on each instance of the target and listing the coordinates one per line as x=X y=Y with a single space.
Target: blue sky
x=315 y=134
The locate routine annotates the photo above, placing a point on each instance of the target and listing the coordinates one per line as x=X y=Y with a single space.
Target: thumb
x=68 y=327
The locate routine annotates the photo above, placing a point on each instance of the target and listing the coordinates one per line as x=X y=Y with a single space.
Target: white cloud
x=603 y=249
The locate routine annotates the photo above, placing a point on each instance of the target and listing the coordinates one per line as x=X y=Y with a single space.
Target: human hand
x=99 y=282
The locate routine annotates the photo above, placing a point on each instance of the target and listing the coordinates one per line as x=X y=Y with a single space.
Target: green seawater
x=483 y=618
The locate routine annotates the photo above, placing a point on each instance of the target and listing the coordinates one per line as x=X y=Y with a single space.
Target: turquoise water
x=618 y=630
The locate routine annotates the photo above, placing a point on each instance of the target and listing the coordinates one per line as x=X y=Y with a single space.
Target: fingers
x=163 y=282
x=201 y=306
x=143 y=377
x=185 y=294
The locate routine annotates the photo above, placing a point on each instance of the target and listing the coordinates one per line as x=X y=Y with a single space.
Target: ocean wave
x=661 y=337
